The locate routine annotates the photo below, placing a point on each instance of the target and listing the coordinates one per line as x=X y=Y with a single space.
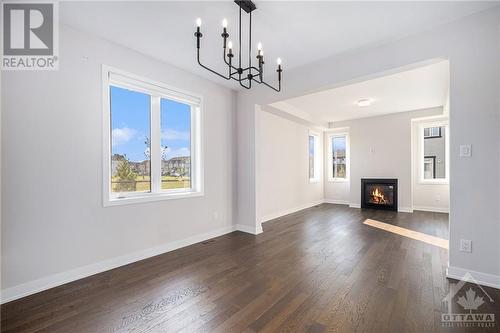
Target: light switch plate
x=465 y=150
x=466 y=245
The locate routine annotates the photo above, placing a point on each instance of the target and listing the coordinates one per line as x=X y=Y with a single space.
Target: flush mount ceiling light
x=364 y=102
x=246 y=75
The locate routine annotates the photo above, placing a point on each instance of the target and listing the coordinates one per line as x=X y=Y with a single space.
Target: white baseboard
x=484 y=279
x=400 y=209
x=254 y=230
x=432 y=209
x=273 y=216
x=337 y=202
x=58 y=279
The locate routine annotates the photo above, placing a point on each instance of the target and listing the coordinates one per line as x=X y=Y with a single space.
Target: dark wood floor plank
x=317 y=270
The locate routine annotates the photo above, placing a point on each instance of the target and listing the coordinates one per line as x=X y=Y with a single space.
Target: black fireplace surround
x=379 y=193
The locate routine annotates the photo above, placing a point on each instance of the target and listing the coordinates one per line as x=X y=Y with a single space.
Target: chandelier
x=245 y=76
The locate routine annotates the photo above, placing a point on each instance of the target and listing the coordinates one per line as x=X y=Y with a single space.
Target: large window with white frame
x=152 y=140
x=314 y=157
x=338 y=156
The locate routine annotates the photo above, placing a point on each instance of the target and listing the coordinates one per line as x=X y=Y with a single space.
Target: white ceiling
x=298 y=32
x=420 y=88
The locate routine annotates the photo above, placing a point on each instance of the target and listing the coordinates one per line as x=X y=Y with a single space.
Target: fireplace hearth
x=379 y=193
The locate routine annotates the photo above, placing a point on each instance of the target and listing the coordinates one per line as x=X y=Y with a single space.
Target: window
x=432 y=132
x=130 y=163
x=175 y=144
x=313 y=153
x=338 y=152
x=429 y=167
x=152 y=140
x=434 y=152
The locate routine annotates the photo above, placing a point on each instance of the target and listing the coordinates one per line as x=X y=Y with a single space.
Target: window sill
x=110 y=202
x=338 y=180
x=433 y=182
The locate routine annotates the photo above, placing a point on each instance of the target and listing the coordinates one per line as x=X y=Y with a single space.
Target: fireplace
x=379 y=193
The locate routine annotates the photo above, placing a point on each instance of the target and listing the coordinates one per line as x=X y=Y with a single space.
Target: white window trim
x=317 y=160
x=421 y=140
x=347 y=157
x=157 y=90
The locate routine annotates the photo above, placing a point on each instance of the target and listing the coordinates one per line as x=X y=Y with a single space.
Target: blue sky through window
x=175 y=128
x=130 y=125
x=339 y=145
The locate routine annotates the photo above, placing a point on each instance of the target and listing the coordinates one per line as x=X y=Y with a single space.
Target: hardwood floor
x=318 y=270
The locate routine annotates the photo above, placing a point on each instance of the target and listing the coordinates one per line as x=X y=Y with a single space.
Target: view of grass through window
x=130 y=133
x=176 y=144
x=131 y=142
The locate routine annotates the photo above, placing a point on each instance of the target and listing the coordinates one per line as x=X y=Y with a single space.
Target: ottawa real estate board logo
x=466 y=302
x=30 y=36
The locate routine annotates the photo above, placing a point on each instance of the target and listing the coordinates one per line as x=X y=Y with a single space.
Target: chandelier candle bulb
x=198 y=34
x=224 y=35
x=278 y=61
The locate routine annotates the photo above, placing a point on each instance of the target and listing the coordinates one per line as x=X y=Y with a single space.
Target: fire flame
x=378 y=197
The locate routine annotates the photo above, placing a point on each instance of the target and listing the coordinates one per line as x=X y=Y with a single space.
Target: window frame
x=431 y=136
x=421 y=152
x=331 y=136
x=157 y=90
x=316 y=158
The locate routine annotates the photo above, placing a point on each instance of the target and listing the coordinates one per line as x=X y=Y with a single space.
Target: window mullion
x=155 y=145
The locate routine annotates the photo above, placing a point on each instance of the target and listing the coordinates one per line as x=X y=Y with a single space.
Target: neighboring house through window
x=152 y=140
x=338 y=156
x=434 y=152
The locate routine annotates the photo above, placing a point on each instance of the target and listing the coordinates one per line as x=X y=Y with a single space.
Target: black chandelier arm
x=224 y=56
x=209 y=69
x=270 y=86
x=250 y=45
x=249 y=82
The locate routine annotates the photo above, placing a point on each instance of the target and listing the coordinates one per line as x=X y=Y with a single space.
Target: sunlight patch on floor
x=433 y=240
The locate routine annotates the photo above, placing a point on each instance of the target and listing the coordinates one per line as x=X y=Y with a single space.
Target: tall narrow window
x=313 y=157
x=434 y=152
x=130 y=133
x=338 y=145
x=153 y=141
x=175 y=145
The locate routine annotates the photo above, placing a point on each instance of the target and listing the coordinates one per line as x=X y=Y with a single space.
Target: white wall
x=472 y=45
x=53 y=220
x=380 y=147
x=283 y=166
x=428 y=197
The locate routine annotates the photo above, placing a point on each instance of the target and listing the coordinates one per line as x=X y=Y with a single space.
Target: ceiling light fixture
x=244 y=76
x=364 y=102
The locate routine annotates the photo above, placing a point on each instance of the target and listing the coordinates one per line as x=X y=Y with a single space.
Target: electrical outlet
x=466 y=245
